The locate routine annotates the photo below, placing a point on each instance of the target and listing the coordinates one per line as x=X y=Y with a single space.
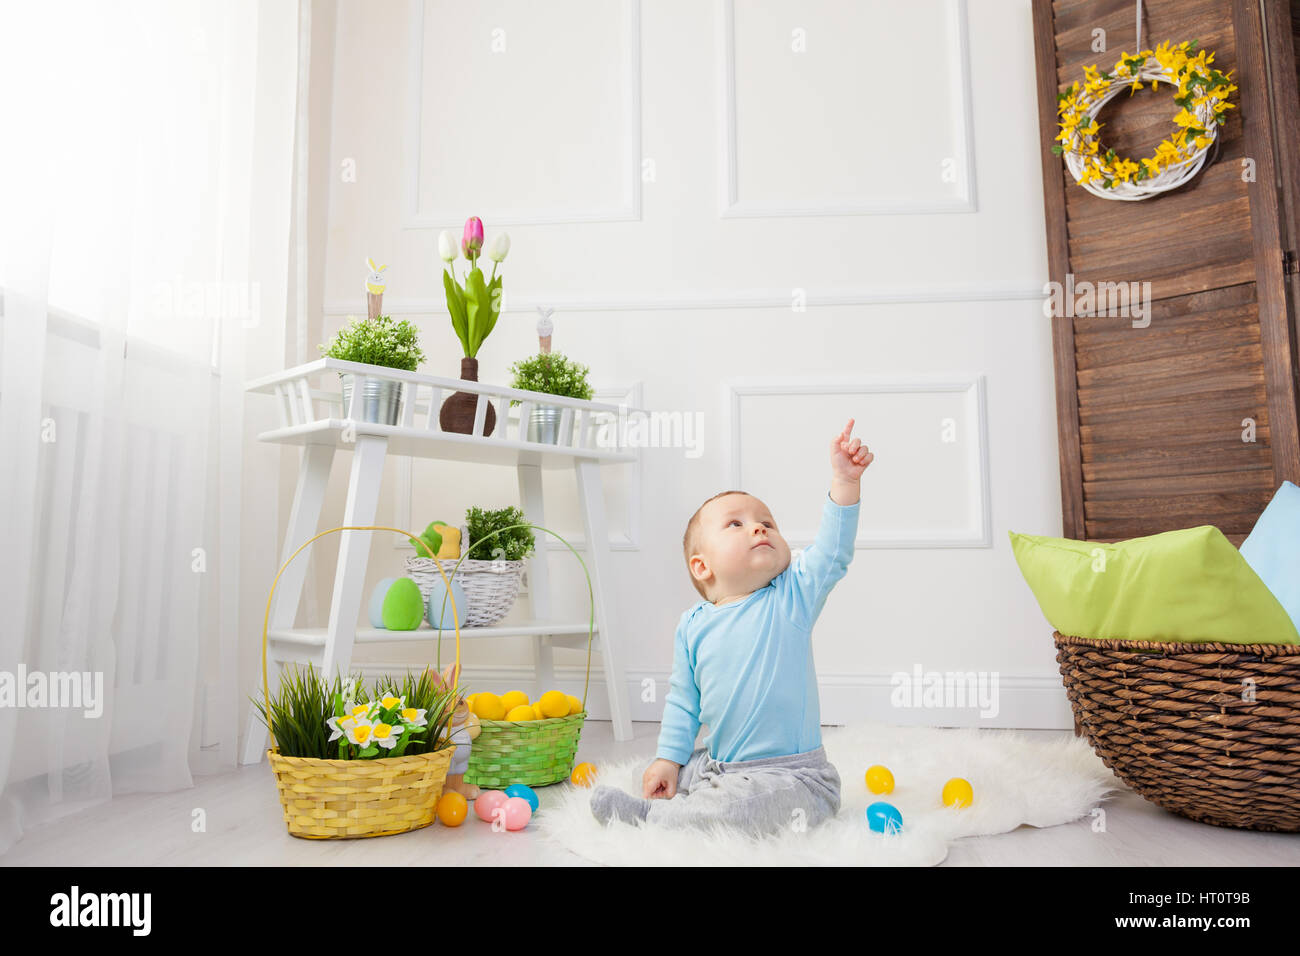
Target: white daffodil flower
x=386 y=735
x=358 y=711
x=340 y=725
x=359 y=733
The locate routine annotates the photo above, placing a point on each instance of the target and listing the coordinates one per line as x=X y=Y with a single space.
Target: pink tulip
x=472 y=241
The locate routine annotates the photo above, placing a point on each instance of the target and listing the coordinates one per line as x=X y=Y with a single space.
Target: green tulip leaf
x=494 y=305
x=477 y=309
x=456 y=307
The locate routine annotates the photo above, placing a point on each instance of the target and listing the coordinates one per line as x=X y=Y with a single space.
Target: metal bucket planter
x=544 y=425
x=381 y=400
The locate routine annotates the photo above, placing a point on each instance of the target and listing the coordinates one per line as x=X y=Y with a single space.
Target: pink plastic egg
x=517 y=813
x=487 y=803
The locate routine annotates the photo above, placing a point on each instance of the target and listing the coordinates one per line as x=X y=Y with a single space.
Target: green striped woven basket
x=535 y=752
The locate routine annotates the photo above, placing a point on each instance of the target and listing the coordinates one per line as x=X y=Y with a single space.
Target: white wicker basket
x=491 y=587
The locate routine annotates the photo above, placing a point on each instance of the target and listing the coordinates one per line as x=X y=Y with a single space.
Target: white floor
x=245 y=827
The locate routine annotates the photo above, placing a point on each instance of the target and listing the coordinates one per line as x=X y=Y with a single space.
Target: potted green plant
x=554 y=374
x=474 y=306
x=516 y=544
x=376 y=341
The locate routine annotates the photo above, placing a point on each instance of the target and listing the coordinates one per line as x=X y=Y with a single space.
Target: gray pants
x=760 y=796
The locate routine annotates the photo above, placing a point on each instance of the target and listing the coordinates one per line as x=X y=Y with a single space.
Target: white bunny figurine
x=544 y=328
x=375 y=288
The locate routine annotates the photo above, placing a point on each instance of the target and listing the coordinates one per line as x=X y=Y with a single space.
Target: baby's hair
x=692 y=534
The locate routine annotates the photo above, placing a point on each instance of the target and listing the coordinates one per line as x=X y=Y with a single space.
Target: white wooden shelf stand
x=419 y=435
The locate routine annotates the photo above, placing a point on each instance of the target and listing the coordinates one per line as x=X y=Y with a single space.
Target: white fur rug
x=1017 y=780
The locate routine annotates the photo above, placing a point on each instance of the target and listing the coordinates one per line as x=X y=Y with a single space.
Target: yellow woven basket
x=342 y=799
x=346 y=799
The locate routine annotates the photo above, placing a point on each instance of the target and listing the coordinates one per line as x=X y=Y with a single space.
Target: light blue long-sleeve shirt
x=745 y=669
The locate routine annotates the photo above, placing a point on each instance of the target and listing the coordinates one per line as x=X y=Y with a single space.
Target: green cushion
x=1188 y=585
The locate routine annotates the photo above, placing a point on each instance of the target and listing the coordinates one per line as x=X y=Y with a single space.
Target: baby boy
x=743 y=666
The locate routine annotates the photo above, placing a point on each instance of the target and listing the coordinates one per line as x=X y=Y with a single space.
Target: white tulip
x=498 y=247
x=447 y=248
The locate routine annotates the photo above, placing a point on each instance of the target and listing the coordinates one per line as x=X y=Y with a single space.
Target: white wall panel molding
x=957 y=47
x=628 y=205
x=970 y=438
x=994 y=291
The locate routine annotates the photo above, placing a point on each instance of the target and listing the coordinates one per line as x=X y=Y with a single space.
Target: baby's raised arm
x=808 y=582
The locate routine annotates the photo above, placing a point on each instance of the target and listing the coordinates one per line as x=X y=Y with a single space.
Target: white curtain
x=135 y=154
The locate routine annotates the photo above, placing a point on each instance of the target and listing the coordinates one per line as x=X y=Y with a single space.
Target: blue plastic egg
x=375 y=611
x=884 y=817
x=437 y=605
x=525 y=791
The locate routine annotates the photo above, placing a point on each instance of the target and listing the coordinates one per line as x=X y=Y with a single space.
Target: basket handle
x=266 y=620
x=591 y=595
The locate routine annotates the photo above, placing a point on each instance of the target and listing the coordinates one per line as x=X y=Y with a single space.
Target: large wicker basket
x=491 y=587
x=333 y=799
x=1208 y=731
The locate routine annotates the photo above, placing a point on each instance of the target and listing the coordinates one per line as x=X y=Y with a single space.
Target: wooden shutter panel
x=1150 y=420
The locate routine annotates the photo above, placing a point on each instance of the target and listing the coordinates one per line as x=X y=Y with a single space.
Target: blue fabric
x=745 y=669
x=1273 y=548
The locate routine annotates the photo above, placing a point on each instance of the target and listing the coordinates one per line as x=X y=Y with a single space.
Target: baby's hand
x=660 y=780
x=849 y=457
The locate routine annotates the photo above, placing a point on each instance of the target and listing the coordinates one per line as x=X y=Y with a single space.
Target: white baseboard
x=1023 y=701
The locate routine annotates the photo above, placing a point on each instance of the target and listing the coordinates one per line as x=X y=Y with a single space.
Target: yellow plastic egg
x=522 y=712
x=537 y=712
x=488 y=706
x=958 y=793
x=879 y=779
x=575 y=705
x=512 y=699
x=554 y=704
x=584 y=775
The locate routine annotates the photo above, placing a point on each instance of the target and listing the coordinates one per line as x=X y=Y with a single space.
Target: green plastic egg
x=403 y=606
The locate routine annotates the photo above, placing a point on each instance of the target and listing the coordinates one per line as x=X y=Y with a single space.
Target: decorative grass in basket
x=351 y=763
x=532 y=752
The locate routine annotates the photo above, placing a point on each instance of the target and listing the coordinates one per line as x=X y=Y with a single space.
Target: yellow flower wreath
x=1202 y=95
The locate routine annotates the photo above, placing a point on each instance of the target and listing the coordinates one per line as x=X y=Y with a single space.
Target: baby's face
x=741 y=546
